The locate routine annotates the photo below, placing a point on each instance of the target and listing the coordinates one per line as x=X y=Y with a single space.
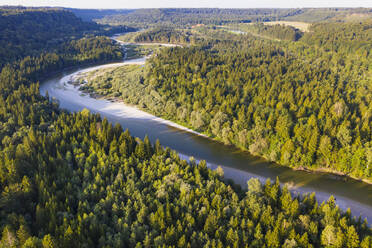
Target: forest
x=164 y=35
x=249 y=93
x=90 y=184
x=280 y=32
x=179 y=16
x=213 y=16
x=76 y=180
x=27 y=32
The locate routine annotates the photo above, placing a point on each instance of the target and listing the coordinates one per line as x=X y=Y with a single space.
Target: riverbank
x=337 y=174
x=136 y=110
x=238 y=165
x=121 y=73
x=145 y=113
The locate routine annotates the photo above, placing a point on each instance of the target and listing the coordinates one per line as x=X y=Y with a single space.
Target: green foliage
x=163 y=35
x=342 y=37
x=298 y=104
x=281 y=32
x=259 y=95
x=89 y=193
x=126 y=84
x=27 y=32
x=133 y=51
x=93 y=14
x=180 y=16
x=74 y=180
x=330 y=14
x=214 y=16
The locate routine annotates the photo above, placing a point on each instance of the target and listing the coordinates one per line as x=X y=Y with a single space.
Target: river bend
x=237 y=165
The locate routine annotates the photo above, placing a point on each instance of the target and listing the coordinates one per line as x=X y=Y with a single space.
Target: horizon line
x=26 y=6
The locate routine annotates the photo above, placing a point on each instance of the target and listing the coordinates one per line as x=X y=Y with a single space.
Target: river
x=238 y=165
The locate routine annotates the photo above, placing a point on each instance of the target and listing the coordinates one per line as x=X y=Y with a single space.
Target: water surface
x=237 y=165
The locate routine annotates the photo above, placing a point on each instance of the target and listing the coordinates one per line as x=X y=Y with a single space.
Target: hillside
x=27 y=32
x=185 y=17
x=75 y=180
x=304 y=103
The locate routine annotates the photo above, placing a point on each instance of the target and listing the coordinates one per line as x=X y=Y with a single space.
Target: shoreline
x=115 y=109
x=338 y=175
x=118 y=108
x=127 y=106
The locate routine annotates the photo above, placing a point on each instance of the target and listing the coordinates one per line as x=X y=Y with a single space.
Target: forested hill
x=74 y=180
x=195 y=16
x=93 y=14
x=215 y=16
x=163 y=35
x=27 y=32
x=304 y=104
x=299 y=105
x=346 y=38
x=22 y=108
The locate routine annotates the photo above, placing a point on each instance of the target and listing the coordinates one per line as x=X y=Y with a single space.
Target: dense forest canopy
x=305 y=104
x=27 y=32
x=274 y=98
x=164 y=35
x=278 y=31
x=181 y=17
x=331 y=14
x=90 y=184
x=93 y=14
x=75 y=180
x=194 y=16
x=347 y=38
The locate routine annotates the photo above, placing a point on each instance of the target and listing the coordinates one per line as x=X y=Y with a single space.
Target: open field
x=303 y=26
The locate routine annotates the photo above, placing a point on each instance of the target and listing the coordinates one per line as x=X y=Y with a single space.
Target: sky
x=124 y=4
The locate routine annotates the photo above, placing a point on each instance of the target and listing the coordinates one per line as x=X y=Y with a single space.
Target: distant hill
x=330 y=14
x=195 y=16
x=92 y=14
x=222 y=16
x=27 y=31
